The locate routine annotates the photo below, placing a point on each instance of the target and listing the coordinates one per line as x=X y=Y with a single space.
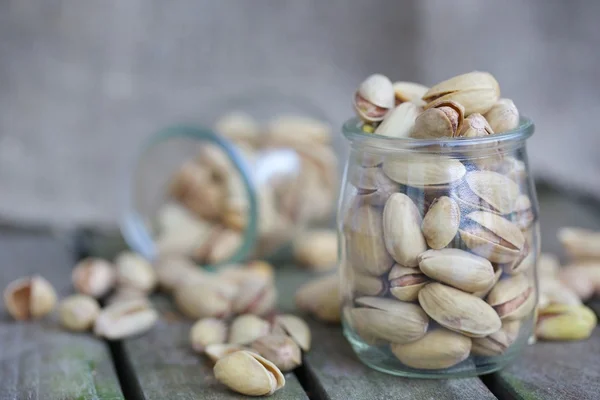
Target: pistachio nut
x=316 y=249
x=193 y=186
x=246 y=328
x=503 y=116
x=475 y=126
x=321 y=298
x=365 y=240
x=580 y=243
x=405 y=282
x=238 y=126
x=522 y=263
x=248 y=373
x=207 y=331
x=203 y=300
x=424 y=172
x=580 y=281
x=409 y=91
x=175 y=270
x=457 y=268
x=378 y=319
x=135 y=272
x=280 y=350
x=78 y=312
x=565 y=322
x=399 y=122
x=493 y=237
x=440 y=224
x=255 y=296
x=497 y=343
x=125 y=319
x=29 y=298
x=294 y=327
x=374 y=98
x=293 y=129
x=459 y=311
x=438 y=349
x=217 y=351
x=441 y=119
x=373 y=185
x=497 y=274
x=513 y=298
x=489 y=191
x=368 y=285
x=94 y=277
x=476 y=91
x=402 y=230
x=226 y=244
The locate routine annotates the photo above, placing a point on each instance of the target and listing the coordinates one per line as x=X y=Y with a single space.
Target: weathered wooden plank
x=332 y=370
x=38 y=360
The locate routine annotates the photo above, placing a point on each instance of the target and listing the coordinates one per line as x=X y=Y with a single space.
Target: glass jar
x=239 y=190
x=439 y=243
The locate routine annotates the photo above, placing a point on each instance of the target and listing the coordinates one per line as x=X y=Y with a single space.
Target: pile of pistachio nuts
x=207 y=207
x=438 y=249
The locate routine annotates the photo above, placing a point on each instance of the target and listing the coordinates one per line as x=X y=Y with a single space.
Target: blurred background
x=84 y=82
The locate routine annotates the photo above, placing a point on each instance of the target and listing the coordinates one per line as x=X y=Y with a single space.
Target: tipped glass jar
x=239 y=191
x=439 y=247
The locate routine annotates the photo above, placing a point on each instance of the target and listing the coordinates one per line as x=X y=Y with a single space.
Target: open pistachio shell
x=497 y=274
x=441 y=119
x=499 y=193
x=440 y=224
x=522 y=263
x=513 y=298
x=374 y=186
x=295 y=327
x=503 y=116
x=248 y=373
x=459 y=311
x=497 y=343
x=402 y=230
x=409 y=91
x=247 y=328
x=424 y=171
x=405 y=282
x=438 y=349
x=374 y=98
x=475 y=126
x=399 y=122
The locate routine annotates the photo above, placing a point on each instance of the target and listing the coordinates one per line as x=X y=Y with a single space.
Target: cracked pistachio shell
x=496 y=190
x=321 y=298
x=459 y=311
x=78 y=312
x=134 y=271
x=374 y=186
x=513 y=298
x=248 y=373
x=125 y=319
x=475 y=126
x=497 y=343
x=399 y=122
x=219 y=350
x=365 y=241
x=580 y=243
x=521 y=264
x=565 y=322
x=295 y=327
x=438 y=349
x=94 y=277
x=409 y=91
x=402 y=230
x=503 y=116
x=440 y=224
x=441 y=119
x=374 y=98
x=457 y=268
x=405 y=282
x=424 y=171
x=29 y=298
x=497 y=274
x=202 y=300
x=175 y=270
x=378 y=319
x=492 y=236
x=281 y=350
x=256 y=295
x=207 y=331
x=476 y=91
x=246 y=328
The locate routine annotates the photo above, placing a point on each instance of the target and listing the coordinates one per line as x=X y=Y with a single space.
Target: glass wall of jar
x=440 y=242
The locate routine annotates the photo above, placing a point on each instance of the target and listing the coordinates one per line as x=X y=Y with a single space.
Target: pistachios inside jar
x=439 y=209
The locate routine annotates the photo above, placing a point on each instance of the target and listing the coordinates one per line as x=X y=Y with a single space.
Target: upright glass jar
x=439 y=242
x=241 y=189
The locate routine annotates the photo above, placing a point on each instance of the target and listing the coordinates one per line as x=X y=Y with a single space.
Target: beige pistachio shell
x=580 y=243
x=202 y=300
x=438 y=349
x=295 y=327
x=424 y=171
x=78 y=312
x=405 y=282
x=368 y=285
x=256 y=295
x=207 y=331
x=476 y=91
x=125 y=319
x=459 y=311
x=176 y=270
x=378 y=319
x=219 y=350
x=281 y=350
x=134 y=271
x=374 y=186
x=247 y=328
x=565 y=322
x=29 y=298
x=521 y=264
x=513 y=298
x=365 y=241
x=441 y=119
x=440 y=224
x=548 y=265
x=475 y=125
x=503 y=116
x=248 y=373
x=500 y=192
x=524 y=212
x=457 y=268
x=93 y=276
x=316 y=249
x=402 y=230
x=399 y=121
x=321 y=297
x=409 y=91
x=497 y=274
x=497 y=343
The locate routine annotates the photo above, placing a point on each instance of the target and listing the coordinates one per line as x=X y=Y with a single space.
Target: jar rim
x=355 y=135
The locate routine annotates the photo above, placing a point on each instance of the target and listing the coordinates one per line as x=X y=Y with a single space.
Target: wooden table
x=40 y=361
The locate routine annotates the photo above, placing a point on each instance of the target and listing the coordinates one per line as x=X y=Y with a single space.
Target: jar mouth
x=356 y=136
